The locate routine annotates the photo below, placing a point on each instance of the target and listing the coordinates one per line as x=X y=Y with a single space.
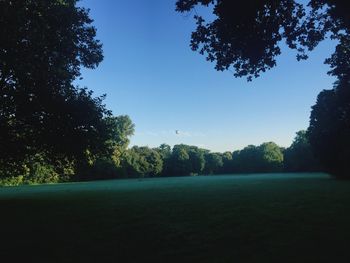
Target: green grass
x=255 y=218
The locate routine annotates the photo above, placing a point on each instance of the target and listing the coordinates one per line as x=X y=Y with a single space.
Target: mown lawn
x=255 y=218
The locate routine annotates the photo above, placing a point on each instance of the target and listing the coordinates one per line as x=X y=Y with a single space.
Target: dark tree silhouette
x=245 y=35
x=329 y=131
x=44 y=44
x=299 y=156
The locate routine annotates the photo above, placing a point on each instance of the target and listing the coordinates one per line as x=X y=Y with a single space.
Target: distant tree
x=164 y=150
x=213 y=163
x=299 y=156
x=120 y=129
x=271 y=157
x=187 y=160
x=227 y=162
x=155 y=162
x=267 y=157
x=142 y=162
x=197 y=159
x=133 y=164
x=44 y=46
x=235 y=163
x=247 y=160
x=180 y=161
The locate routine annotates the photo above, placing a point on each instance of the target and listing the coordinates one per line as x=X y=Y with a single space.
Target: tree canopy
x=142 y=162
x=44 y=46
x=329 y=130
x=299 y=156
x=245 y=35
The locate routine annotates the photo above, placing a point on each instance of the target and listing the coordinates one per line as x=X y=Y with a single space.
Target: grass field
x=255 y=218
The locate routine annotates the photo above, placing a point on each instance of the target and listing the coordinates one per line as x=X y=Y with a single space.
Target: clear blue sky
x=150 y=74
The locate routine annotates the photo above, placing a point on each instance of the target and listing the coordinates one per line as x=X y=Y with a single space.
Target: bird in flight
x=177 y=131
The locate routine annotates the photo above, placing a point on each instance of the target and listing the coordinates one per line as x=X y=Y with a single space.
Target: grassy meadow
x=240 y=218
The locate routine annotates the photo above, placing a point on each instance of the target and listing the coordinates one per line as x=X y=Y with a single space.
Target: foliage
x=246 y=160
x=120 y=128
x=108 y=164
x=299 y=156
x=142 y=162
x=37 y=170
x=272 y=157
x=12 y=181
x=329 y=130
x=246 y=35
x=102 y=168
x=41 y=111
x=186 y=160
x=164 y=150
x=267 y=157
x=180 y=161
x=213 y=163
x=227 y=162
x=197 y=159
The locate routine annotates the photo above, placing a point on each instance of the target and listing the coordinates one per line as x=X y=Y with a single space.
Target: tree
x=120 y=128
x=299 y=156
x=271 y=157
x=41 y=111
x=227 y=162
x=108 y=164
x=180 y=161
x=265 y=158
x=245 y=35
x=213 y=163
x=186 y=160
x=164 y=151
x=246 y=160
x=142 y=162
x=197 y=159
x=329 y=131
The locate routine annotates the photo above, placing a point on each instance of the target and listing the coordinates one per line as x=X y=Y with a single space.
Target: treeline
x=163 y=161
x=186 y=160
